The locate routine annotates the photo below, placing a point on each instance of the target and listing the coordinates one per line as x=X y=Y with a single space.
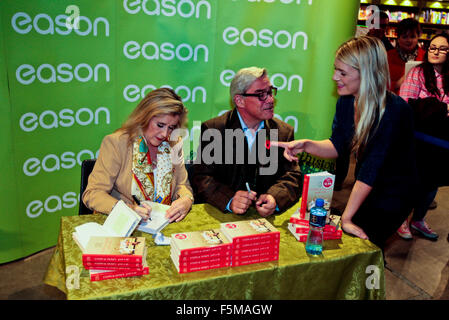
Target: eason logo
x=166 y=51
x=169 y=8
x=52 y=204
x=309 y=2
x=133 y=93
x=328 y=182
x=180 y=236
x=42 y=23
x=264 y=38
x=49 y=119
x=53 y=162
x=292 y=82
x=46 y=73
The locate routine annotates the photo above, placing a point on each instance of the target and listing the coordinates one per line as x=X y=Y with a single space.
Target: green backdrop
x=63 y=89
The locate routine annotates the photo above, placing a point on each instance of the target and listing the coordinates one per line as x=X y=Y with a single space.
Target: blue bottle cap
x=319 y=202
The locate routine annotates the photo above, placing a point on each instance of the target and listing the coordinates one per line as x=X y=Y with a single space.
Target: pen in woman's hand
x=136 y=200
x=138 y=203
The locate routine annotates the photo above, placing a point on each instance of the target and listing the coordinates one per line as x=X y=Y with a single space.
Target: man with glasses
x=231 y=168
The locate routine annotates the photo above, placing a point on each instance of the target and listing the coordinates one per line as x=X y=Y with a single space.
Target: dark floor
x=417 y=269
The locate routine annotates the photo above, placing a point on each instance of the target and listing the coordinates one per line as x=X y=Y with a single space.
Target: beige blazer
x=111 y=176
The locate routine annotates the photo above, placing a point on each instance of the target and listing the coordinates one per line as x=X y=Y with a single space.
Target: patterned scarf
x=143 y=183
x=407 y=56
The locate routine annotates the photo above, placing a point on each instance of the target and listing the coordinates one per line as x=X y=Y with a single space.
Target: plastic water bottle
x=317 y=220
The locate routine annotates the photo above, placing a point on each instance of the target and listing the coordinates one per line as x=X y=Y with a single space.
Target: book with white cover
x=409 y=65
x=121 y=222
x=158 y=220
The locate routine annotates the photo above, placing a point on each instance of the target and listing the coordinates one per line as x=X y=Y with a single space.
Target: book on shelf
x=316 y=185
x=98 y=275
x=158 y=220
x=121 y=222
x=115 y=250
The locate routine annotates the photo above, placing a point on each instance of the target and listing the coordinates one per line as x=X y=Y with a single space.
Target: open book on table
x=121 y=222
x=158 y=220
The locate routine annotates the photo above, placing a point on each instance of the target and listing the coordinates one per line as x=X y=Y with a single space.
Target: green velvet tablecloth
x=339 y=273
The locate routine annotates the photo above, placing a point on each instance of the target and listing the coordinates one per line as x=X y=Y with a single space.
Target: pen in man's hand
x=247 y=187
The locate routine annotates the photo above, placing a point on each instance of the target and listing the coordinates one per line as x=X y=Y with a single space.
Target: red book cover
x=249 y=232
x=316 y=185
x=332 y=221
x=257 y=238
x=205 y=256
x=206 y=266
x=302 y=237
x=115 y=249
x=200 y=242
x=265 y=243
x=305 y=191
x=236 y=263
x=197 y=263
x=254 y=250
x=263 y=254
x=305 y=229
x=98 y=275
x=113 y=266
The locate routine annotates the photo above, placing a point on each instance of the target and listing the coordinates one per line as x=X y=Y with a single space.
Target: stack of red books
x=253 y=241
x=200 y=250
x=115 y=257
x=299 y=227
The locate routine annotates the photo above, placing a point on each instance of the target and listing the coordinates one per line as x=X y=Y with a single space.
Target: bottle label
x=317 y=221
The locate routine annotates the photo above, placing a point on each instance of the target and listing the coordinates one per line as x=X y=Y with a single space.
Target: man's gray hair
x=243 y=80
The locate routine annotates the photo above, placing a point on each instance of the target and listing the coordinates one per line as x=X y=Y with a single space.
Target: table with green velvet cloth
x=343 y=271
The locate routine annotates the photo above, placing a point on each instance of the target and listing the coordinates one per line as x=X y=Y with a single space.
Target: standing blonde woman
x=377 y=127
x=136 y=160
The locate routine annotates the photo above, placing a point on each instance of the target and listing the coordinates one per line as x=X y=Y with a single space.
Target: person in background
x=377 y=126
x=426 y=88
x=380 y=33
x=407 y=49
x=233 y=186
x=136 y=160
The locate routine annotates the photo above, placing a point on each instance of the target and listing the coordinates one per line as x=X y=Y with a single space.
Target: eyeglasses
x=262 y=95
x=442 y=50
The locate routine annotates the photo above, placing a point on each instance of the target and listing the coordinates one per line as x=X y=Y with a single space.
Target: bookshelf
x=432 y=15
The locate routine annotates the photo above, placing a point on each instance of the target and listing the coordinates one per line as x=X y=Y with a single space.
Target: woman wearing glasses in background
x=426 y=88
x=377 y=127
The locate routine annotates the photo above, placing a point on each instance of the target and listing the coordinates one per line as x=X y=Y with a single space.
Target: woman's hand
x=292 y=148
x=349 y=227
x=144 y=210
x=447 y=110
x=179 y=209
x=323 y=148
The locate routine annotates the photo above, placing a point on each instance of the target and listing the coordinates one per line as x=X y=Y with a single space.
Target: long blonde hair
x=162 y=101
x=368 y=56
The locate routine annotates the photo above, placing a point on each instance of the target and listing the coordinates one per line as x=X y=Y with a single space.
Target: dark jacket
x=217 y=182
x=431 y=120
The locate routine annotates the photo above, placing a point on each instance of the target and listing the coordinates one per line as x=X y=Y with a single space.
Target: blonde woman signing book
x=377 y=127
x=136 y=160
